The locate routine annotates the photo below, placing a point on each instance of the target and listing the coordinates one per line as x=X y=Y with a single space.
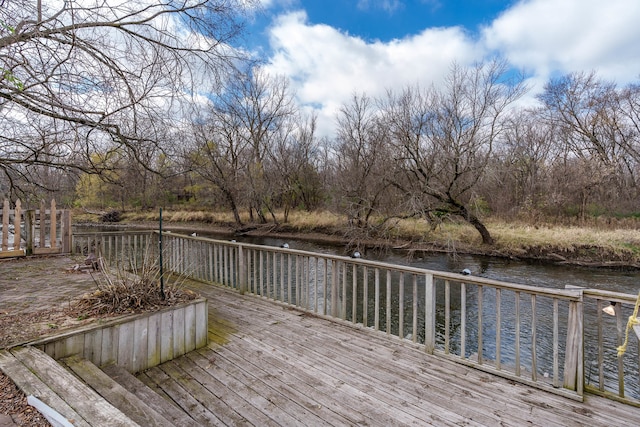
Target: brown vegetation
x=121 y=292
x=599 y=243
x=431 y=158
x=13 y=404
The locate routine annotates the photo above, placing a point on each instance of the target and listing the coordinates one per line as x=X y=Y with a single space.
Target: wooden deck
x=268 y=364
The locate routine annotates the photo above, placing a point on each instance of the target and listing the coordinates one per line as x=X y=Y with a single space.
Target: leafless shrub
x=120 y=291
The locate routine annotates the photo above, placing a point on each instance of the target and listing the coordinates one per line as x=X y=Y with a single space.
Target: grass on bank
x=617 y=242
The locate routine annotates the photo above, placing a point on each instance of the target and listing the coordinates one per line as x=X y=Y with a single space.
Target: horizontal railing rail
x=530 y=334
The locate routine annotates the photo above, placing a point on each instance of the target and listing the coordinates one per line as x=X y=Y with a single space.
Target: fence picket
x=21 y=225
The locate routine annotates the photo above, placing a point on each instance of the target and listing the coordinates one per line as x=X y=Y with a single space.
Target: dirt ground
x=35 y=301
x=36 y=296
x=40 y=296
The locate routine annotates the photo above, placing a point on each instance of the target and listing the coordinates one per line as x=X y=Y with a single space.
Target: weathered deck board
x=131 y=405
x=318 y=371
x=365 y=392
x=298 y=367
x=167 y=409
x=251 y=414
x=227 y=414
x=399 y=386
x=77 y=394
x=388 y=382
x=314 y=396
x=393 y=375
x=31 y=385
x=277 y=390
x=182 y=397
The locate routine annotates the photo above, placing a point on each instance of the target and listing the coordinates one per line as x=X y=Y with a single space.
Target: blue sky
x=387 y=20
x=331 y=49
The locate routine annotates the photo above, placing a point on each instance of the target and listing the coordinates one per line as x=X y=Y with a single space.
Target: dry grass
x=209 y=217
x=600 y=240
x=620 y=244
x=519 y=234
x=583 y=244
x=317 y=220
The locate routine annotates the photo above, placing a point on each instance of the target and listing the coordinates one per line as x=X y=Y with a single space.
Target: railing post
x=66 y=231
x=429 y=314
x=334 y=289
x=5 y=225
x=620 y=330
x=242 y=272
x=42 y=218
x=53 y=229
x=17 y=220
x=29 y=230
x=574 y=352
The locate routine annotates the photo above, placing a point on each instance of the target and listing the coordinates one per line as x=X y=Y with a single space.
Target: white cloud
x=327 y=66
x=550 y=36
x=543 y=37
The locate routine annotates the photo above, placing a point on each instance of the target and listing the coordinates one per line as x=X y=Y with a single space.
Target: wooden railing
x=529 y=334
x=607 y=373
x=123 y=249
x=34 y=231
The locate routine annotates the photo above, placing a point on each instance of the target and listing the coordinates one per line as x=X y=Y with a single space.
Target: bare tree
x=443 y=138
x=579 y=102
x=291 y=170
x=30 y=154
x=598 y=128
x=520 y=167
x=362 y=164
x=261 y=108
x=104 y=74
x=630 y=106
x=220 y=155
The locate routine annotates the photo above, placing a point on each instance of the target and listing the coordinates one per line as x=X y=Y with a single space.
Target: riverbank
x=597 y=247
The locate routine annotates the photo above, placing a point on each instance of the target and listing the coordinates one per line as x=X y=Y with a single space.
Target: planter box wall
x=136 y=342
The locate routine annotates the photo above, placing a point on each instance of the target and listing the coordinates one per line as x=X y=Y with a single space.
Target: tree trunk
x=287 y=208
x=234 y=207
x=477 y=224
x=261 y=218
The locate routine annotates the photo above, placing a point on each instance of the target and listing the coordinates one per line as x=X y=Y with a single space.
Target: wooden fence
x=34 y=231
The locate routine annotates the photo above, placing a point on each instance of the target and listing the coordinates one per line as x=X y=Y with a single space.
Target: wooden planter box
x=136 y=342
